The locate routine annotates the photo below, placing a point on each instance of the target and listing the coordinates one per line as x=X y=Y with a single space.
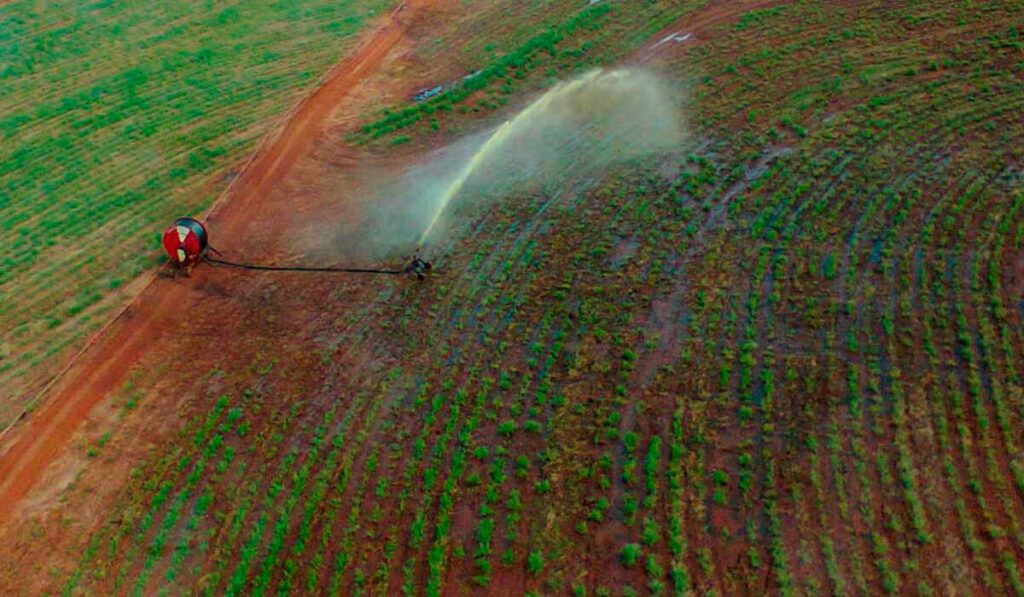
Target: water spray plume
x=494 y=142
x=566 y=139
x=456 y=184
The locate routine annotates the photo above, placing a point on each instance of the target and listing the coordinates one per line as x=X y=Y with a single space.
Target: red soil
x=160 y=308
x=250 y=212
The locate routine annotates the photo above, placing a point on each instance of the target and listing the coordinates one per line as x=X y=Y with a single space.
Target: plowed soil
x=182 y=324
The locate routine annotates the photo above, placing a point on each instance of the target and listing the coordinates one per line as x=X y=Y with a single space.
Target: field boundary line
x=74 y=359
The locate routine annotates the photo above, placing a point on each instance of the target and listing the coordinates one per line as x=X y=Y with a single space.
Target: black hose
x=288 y=268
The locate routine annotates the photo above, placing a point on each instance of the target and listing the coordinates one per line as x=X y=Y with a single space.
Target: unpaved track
x=308 y=122
x=162 y=307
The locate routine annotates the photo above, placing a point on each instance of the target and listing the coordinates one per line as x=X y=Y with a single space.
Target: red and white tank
x=185 y=241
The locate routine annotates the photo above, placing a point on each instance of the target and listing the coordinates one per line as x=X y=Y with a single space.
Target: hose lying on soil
x=296 y=268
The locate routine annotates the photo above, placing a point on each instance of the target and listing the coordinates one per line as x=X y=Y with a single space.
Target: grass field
x=115 y=118
x=785 y=360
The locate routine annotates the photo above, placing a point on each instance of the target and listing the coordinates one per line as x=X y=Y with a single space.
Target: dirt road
x=160 y=307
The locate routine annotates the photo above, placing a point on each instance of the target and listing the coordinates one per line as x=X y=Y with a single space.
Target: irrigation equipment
x=187 y=242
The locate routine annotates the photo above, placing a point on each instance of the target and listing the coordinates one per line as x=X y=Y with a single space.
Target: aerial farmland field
x=726 y=298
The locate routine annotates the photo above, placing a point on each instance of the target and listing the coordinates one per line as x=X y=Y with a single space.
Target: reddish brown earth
x=178 y=316
x=160 y=308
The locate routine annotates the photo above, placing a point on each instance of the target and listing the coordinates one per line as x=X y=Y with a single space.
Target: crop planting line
x=991 y=472
x=437 y=539
x=325 y=473
x=965 y=456
x=184 y=467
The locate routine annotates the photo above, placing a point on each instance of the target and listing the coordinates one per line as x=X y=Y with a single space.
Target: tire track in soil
x=163 y=304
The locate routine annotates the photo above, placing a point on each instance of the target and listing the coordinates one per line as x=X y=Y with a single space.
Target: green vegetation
x=804 y=379
x=512 y=65
x=592 y=36
x=115 y=118
x=630 y=554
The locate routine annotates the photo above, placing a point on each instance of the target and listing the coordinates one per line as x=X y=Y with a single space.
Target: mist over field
x=572 y=131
